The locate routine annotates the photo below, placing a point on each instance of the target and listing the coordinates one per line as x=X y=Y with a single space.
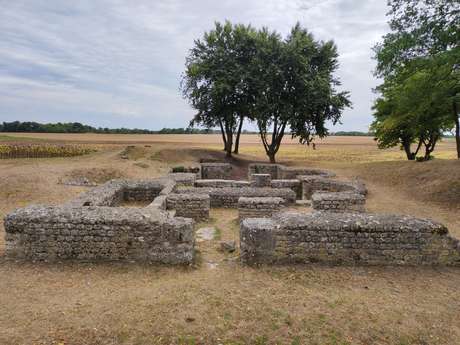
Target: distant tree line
x=76 y=127
x=285 y=85
x=419 y=61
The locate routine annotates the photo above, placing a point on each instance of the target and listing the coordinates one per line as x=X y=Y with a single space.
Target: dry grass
x=218 y=301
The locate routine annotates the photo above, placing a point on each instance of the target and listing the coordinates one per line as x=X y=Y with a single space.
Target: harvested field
x=217 y=300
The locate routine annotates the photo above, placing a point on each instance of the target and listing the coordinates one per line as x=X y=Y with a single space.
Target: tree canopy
x=284 y=85
x=419 y=61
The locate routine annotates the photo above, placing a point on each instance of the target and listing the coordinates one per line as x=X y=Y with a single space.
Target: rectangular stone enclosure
x=93 y=227
x=346 y=238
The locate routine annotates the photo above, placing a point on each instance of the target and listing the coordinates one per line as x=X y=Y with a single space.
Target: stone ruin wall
x=195 y=206
x=338 y=202
x=346 y=239
x=259 y=207
x=98 y=233
x=312 y=184
x=228 y=196
x=92 y=227
x=220 y=171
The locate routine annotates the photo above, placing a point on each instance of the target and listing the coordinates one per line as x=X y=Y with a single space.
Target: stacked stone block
x=261 y=180
x=347 y=238
x=183 y=179
x=286 y=173
x=195 y=206
x=263 y=168
x=312 y=184
x=293 y=184
x=221 y=183
x=258 y=207
x=98 y=233
x=228 y=196
x=220 y=171
x=338 y=202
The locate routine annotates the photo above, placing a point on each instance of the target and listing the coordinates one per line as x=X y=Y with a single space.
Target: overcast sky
x=114 y=63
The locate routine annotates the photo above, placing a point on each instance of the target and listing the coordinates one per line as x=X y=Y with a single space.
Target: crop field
x=217 y=300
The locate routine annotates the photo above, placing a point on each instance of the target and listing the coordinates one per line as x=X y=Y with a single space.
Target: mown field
x=218 y=301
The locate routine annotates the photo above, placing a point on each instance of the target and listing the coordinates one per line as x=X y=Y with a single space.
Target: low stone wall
x=281 y=172
x=216 y=171
x=98 y=233
x=195 y=206
x=261 y=180
x=183 y=179
x=347 y=238
x=312 y=184
x=258 y=207
x=294 y=185
x=286 y=173
x=264 y=168
x=114 y=192
x=338 y=202
x=228 y=196
x=221 y=183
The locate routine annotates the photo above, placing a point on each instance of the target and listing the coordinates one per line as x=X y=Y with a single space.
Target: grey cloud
x=119 y=62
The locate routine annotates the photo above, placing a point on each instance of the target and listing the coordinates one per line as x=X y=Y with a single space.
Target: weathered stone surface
x=338 y=202
x=264 y=168
x=259 y=207
x=261 y=180
x=183 y=179
x=228 y=196
x=227 y=246
x=216 y=171
x=98 y=233
x=293 y=184
x=195 y=206
x=346 y=238
x=312 y=184
x=281 y=172
x=221 y=183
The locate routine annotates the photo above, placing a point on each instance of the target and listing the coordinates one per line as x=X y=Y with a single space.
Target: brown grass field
x=218 y=301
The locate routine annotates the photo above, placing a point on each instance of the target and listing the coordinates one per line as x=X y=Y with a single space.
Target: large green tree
x=294 y=88
x=216 y=80
x=413 y=109
x=425 y=36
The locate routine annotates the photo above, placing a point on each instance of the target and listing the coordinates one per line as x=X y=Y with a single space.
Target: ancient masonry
x=98 y=225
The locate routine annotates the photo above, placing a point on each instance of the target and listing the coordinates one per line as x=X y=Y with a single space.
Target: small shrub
x=178 y=169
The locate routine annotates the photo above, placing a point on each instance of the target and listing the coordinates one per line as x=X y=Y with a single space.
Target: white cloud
x=119 y=63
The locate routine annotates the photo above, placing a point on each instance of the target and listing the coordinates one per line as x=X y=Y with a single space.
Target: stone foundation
x=220 y=171
x=312 y=184
x=183 y=179
x=346 y=239
x=260 y=180
x=195 y=206
x=262 y=168
x=258 y=207
x=294 y=185
x=338 y=202
x=92 y=227
x=98 y=233
x=228 y=196
x=221 y=183
x=281 y=172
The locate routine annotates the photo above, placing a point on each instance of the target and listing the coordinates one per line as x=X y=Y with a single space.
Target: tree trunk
x=223 y=135
x=409 y=154
x=229 y=143
x=237 y=140
x=271 y=155
x=457 y=128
